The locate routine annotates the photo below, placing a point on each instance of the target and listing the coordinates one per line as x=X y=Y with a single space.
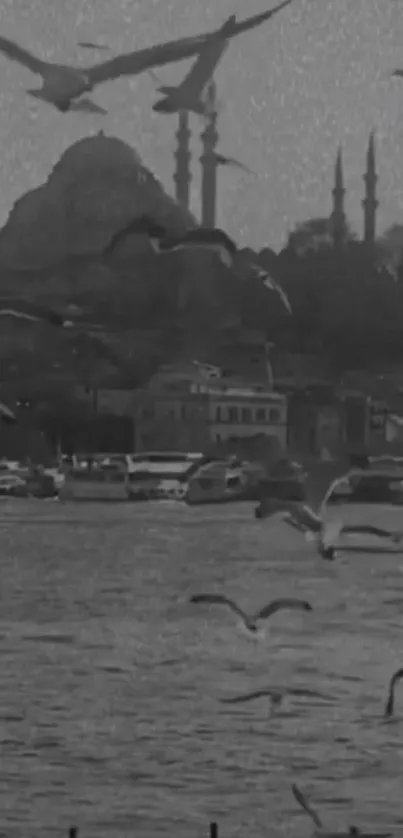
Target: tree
x=315 y=234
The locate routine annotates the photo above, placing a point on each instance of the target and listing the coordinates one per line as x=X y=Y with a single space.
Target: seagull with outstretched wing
x=251 y=620
x=275 y=694
x=188 y=95
x=321 y=832
x=390 y=703
x=62 y=84
x=301 y=799
x=6 y=415
x=23 y=310
x=212 y=239
x=143 y=225
x=92 y=45
x=86 y=105
x=223 y=160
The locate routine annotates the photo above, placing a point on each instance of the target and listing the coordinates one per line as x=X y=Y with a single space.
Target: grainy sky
x=316 y=76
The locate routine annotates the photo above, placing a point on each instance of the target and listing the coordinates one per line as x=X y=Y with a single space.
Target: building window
x=274 y=416
x=260 y=414
x=233 y=414
x=218 y=415
x=246 y=415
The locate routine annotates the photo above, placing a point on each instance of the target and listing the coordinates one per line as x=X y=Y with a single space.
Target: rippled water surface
x=110 y=680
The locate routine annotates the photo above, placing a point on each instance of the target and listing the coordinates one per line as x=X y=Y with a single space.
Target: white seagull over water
x=303 y=518
x=251 y=620
x=62 y=84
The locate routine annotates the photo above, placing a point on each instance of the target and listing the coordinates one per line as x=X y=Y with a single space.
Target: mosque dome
x=98 y=185
x=94 y=154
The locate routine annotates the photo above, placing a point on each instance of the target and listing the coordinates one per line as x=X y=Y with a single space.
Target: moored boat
x=155 y=475
x=223 y=481
x=93 y=479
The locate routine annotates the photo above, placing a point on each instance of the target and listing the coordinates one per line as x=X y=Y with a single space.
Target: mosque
x=369 y=203
x=210 y=163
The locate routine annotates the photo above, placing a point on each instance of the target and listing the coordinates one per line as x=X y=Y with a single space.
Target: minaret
x=208 y=161
x=338 y=217
x=370 y=203
x=182 y=174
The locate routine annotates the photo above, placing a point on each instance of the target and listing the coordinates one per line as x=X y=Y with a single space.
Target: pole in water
x=213 y=830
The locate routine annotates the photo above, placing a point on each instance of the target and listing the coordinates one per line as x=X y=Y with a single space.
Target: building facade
x=189 y=411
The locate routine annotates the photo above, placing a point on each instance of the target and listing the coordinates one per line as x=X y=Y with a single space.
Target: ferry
x=95 y=477
x=370 y=497
x=154 y=475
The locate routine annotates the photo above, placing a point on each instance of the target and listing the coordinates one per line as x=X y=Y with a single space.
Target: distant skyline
x=314 y=78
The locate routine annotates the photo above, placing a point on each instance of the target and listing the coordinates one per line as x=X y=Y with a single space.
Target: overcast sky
x=316 y=76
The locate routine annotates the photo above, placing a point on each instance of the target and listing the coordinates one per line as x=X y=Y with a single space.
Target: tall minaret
x=182 y=176
x=338 y=217
x=370 y=203
x=208 y=160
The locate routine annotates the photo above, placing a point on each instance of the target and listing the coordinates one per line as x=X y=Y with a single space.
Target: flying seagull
x=217 y=240
x=222 y=160
x=302 y=517
x=321 y=832
x=188 y=96
x=62 y=84
x=86 y=105
x=6 y=415
x=140 y=226
x=251 y=620
x=23 y=310
x=92 y=45
x=202 y=238
x=275 y=695
x=390 y=703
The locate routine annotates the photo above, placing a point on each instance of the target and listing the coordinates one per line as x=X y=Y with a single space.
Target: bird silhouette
x=188 y=95
x=92 y=45
x=62 y=84
x=301 y=799
x=86 y=105
x=251 y=620
x=222 y=160
x=143 y=225
x=275 y=694
x=217 y=240
x=212 y=239
x=390 y=703
x=6 y=415
x=24 y=310
x=321 y=832
x=205 y=238
x=303 y=518
x=275 y=697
